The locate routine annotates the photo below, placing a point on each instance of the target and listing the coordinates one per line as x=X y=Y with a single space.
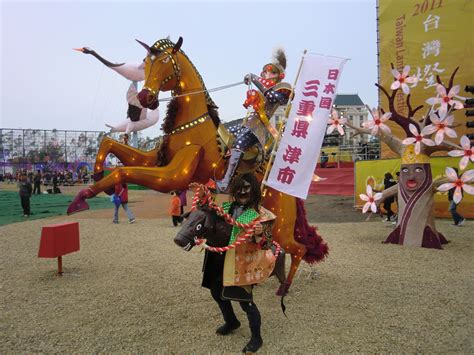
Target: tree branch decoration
x=424 y=136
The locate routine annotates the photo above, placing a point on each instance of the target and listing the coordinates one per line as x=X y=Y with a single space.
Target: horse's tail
x=316 y=247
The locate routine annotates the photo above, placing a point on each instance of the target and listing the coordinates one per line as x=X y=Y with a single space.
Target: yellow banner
x=434 y=37
x=371 y=172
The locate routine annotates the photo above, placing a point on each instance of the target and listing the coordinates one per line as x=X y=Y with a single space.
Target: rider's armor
x=255 y=127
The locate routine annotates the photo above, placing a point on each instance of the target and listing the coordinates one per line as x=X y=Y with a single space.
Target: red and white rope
x=203 y=197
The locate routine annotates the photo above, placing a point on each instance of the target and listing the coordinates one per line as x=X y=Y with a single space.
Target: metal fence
x=350 y=153
x=30 y=148
x=365 y=151
x=56 y=146
x=33 y=149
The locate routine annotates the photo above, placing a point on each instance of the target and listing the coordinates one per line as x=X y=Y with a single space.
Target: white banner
x=298 y=152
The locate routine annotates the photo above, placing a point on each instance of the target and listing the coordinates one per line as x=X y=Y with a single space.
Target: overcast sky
x=46 y=85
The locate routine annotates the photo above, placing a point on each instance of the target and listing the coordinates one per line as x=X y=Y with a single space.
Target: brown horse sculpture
x=191 y=152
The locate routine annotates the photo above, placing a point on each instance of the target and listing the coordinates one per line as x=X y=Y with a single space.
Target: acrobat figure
x=138 y=118
x=270 y=94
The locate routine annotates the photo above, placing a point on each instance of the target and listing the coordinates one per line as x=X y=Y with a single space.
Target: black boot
x=227 y=328
x=235 y=156
x=255 y=342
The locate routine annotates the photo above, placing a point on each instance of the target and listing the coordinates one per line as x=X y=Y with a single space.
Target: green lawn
x=42 y=206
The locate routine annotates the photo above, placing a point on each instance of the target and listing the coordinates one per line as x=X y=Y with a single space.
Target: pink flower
x=378 y=122
x=446 y=99
x=460 y=183
x=370 y=198
x=467 y=153
x=336 y=122
x=441 y=127
x=402 y=80
x=418 y=139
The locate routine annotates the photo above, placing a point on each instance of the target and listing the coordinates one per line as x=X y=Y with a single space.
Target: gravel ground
x=131 y=289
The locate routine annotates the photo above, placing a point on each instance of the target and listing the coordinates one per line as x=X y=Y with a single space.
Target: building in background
x=353 y=109
x=351 y=146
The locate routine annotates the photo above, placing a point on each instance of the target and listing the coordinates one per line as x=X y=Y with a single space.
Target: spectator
x=395 y=217
x=25 y=194
x=174 y=210
x=364 y=151
x=37 y=183
x=125 y=138
x=387 y=204
x=457 y=218
x=182 y=199
x=324 y=159
x=55 y=184
x=121 y=191
x=47 y=179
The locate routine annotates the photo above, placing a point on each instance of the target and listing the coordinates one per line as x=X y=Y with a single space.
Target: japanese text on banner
x=297 y=154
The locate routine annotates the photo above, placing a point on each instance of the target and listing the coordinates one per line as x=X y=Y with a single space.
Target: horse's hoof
x=98 y=176
x=79 y=203
x=283 y=289
x=77 y=206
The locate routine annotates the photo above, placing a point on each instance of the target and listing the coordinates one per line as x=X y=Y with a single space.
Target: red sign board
x=59 y=239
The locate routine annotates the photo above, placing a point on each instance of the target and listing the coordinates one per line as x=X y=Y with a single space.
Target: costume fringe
x=316 y=248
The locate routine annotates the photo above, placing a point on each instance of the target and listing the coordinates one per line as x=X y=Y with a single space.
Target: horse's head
x=199 y=224
x=162 y=71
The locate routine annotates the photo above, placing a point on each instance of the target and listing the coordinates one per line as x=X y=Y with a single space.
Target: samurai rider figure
x=270 y=94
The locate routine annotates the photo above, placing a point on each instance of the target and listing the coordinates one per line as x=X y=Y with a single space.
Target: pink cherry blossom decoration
x=402 y=80
x=336 y=123
x=370 y=199
x=467 y=153
x=459 y=183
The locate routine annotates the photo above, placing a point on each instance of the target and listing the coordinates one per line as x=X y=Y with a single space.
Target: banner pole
x=283 y=123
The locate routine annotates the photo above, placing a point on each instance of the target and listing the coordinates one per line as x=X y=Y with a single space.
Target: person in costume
x=244 y=208
x=270 y=94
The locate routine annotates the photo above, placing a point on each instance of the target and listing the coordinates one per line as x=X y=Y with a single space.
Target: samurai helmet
x=277 y=66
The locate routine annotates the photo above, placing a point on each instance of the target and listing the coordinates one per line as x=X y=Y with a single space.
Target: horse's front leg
x=297 y=251
x=129 y=156
x=284 y=206
x=175 y=176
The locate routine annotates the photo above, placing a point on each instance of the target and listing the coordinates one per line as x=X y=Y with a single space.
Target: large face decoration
x=412 y=176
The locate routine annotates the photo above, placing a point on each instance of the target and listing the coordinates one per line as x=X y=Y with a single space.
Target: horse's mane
x=171 y=111
x=173 y=105
x=211 y=106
